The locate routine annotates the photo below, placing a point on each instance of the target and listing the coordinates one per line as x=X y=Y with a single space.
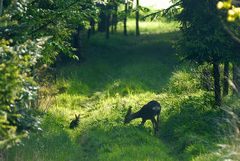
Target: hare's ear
x=78 y=116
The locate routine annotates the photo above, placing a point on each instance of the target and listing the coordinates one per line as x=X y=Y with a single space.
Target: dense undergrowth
x=116 y=74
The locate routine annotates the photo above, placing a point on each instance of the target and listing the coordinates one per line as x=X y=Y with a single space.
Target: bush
x=183 y=82
x=190 y=123
x=17 y=88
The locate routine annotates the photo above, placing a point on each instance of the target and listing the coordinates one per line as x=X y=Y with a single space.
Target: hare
x=74 y=123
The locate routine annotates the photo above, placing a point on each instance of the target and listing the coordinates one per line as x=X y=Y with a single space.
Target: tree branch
x=50 y=21
x=164 y=11
x=234 y=37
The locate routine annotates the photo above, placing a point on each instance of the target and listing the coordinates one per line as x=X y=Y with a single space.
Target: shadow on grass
x=123 y=143
x=58 y=143
x=192 y=127
x=53 y=143
x=130 y=63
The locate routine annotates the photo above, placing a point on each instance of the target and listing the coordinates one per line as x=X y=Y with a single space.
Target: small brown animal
x=147 y=112
x=74 y=123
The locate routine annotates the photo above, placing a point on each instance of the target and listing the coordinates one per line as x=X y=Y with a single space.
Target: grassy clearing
x=116 y=74
x=154 y=27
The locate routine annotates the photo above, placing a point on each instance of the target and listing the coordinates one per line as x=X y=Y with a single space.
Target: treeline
x=206 y=40
x=34 y=34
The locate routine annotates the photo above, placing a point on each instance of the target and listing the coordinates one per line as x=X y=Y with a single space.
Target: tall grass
x=118 y=73
x=151 y=27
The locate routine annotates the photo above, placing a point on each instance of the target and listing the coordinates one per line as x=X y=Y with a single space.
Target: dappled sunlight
x=152 y=27
x=156 y=4
x=118 y=80
x=116 y=75
x=55 y=143
x=102 y=132
x=102 y=93
x=139 y=147
x=145 y=65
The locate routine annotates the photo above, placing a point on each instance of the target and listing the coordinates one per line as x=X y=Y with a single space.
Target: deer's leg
x=154 y=123
x=143 y=122
x=158 y=121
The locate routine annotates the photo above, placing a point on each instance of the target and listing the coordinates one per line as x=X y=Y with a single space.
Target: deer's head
x=128 y=116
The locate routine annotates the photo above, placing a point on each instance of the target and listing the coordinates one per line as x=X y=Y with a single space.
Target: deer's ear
x=129 y=110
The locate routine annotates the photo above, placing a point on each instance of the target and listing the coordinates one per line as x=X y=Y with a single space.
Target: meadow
x=116 y=74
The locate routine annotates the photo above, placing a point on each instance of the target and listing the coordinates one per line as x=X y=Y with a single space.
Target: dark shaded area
x=193 y=123
x=125 y=62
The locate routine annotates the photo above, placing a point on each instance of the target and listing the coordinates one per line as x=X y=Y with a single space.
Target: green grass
x=116 y=74
x=154 y=27
x=143 y=63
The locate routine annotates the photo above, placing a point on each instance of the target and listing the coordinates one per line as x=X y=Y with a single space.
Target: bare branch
x=164 y=11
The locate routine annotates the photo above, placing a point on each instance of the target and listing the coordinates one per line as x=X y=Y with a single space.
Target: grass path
x=117 y=73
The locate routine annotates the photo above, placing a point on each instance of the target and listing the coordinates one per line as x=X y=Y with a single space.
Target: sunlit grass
x=151 y=27
x=116 y=74
x=100 y=136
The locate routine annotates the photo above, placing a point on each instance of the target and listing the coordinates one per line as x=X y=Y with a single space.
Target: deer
x=147 y=112
x=74 y=123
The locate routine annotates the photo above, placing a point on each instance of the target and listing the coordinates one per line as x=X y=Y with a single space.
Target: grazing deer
x=74 y=123
x=147 y=112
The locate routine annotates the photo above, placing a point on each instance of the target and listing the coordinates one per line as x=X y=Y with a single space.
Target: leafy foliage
x=18 y=88
x=233 y=11
x=189 y=125
x=39 y=18
x=204 y=38
x=33 y=34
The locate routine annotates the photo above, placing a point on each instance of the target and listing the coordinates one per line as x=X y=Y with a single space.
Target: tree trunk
x=217 y=87
x=112 y=23
x=79 y=41
x=125 y=19
x=102 y=20
x=236 y=79
x=91 y=30
x=206 y=78
x=1 y=7
x=116 y=18
x=107 y=25
x=92 y=24
x=89 y=33
x=137 y=18
x=225 y=79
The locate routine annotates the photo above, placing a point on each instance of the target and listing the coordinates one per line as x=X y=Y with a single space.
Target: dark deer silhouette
x=74 y=123
x=147 y=112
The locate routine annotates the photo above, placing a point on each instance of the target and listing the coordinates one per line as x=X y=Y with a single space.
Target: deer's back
x=149 y=110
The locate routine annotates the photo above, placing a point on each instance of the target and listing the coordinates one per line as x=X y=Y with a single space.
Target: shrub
x=183 y=82
x=17 y=88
